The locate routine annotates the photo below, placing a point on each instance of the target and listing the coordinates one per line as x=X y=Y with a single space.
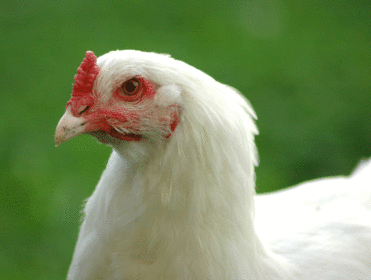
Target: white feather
x=183 y=207
x=168 y=95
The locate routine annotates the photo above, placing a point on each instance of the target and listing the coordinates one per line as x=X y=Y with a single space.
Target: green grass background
x=304 y=65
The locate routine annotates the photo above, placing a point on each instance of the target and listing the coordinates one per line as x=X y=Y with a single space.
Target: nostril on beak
x=83 y=109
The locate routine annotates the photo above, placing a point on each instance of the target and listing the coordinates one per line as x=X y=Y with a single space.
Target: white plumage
x=184 y=206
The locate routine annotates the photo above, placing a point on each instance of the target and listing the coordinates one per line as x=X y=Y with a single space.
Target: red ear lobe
x=174 y=120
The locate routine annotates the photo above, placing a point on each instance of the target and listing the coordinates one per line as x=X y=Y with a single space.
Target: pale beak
x=69 y=127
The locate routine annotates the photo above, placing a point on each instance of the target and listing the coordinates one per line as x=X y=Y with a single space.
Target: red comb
x=86 y=74
x=84 y=80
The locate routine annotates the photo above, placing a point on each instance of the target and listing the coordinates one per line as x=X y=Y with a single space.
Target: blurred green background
x=304 y=65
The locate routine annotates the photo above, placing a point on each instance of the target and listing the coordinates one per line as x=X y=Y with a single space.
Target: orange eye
x=130 y=87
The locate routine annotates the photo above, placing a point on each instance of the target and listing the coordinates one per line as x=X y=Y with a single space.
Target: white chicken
x=177 y=199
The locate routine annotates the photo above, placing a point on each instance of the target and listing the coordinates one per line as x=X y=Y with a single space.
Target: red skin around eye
x=146 y=90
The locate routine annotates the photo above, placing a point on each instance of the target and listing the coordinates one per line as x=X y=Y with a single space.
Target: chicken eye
x=130 y=87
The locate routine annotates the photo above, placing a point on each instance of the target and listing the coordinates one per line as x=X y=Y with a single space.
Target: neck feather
x=190 y=199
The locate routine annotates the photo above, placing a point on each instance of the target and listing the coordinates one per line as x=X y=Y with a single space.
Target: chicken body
x=177 y=198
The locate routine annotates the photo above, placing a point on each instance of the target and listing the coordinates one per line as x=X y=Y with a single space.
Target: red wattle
x=127 y=137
